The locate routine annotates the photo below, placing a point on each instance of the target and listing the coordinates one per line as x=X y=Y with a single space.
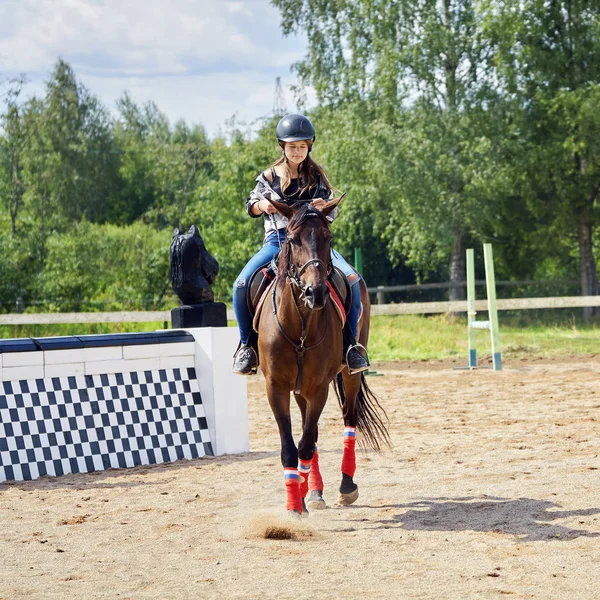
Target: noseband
x=294 y=274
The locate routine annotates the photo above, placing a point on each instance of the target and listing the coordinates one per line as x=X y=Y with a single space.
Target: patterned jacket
x=274 y=222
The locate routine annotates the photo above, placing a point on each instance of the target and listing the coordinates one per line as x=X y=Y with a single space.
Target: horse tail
x=371 y=418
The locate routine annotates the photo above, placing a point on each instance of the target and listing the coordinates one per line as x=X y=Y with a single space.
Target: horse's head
x=193 y=268
x=306 y=256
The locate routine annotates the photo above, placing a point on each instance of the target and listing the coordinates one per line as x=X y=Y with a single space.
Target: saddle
x=260 y=282
x=264 y=277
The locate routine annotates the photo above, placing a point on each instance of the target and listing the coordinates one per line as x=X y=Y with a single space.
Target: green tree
x=549 y=59
x=15 y=136
x=420 y=70
x=218 y=208
x=181 y=165
x=74 y=154
x=161 y=165
x=357 y=151
x=103 y=267
x=134 y=128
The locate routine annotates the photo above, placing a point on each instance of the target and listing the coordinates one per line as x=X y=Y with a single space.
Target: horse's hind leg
x=314 y=500
x=349 y=489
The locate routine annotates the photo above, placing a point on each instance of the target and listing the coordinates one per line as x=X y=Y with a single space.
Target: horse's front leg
x=279 y=400
x=313 y=481
x=307 y=449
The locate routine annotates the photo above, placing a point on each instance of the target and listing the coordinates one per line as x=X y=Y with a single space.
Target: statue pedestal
x=209 y=314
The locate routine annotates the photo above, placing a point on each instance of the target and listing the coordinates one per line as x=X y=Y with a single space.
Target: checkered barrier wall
x=84 y=423
x=83 y=403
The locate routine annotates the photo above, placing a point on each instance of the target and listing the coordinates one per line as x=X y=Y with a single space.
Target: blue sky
x=201 y=60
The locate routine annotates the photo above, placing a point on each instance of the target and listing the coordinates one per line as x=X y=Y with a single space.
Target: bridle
x=293 y=275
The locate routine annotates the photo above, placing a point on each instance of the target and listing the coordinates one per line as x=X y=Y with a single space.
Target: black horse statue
x=193 y=268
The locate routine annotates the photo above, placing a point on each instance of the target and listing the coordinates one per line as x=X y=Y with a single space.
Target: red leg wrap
x=349 y=458
x=315 y=481
x=292 y=487
x=304 y=468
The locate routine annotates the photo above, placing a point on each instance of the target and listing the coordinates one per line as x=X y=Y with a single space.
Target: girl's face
x=296 y=152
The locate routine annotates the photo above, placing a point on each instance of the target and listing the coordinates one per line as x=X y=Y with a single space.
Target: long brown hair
x=309 y=172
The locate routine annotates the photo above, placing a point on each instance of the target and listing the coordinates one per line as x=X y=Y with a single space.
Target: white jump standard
x=492 y=323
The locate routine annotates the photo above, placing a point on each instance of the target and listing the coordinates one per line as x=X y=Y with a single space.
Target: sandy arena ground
x=491 y=491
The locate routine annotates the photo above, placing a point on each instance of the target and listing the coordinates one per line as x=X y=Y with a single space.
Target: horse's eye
x=295 y=241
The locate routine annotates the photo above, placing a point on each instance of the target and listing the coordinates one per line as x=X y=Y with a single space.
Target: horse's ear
x=328 y=208
x=284 y=209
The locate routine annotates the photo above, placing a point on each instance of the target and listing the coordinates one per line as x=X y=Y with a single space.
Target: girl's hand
x=266 y=207
x=319 y=203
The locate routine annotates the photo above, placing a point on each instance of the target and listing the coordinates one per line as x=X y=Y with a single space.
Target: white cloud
x=202 y=60
x=144 y=36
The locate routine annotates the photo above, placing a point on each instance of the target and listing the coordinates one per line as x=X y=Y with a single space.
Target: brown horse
x=301 y=349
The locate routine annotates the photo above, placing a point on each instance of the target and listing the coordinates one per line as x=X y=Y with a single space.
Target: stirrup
x=364 y=356
x=245 y=360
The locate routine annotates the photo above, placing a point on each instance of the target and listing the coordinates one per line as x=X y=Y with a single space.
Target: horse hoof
x=348 y=499
x=304 y=509
x=315 y=501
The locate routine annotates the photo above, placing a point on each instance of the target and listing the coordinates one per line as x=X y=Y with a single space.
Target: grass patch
x=415 y=337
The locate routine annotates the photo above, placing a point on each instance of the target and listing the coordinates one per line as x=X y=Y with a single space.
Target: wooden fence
x=424 y=308
x=412 y=308
x=381 y=290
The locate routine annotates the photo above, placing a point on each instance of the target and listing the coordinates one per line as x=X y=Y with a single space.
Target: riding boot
x=245 y=359
x=355 y=354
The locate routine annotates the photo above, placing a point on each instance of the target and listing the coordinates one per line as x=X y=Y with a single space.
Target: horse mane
x=176 y=266
x=304 y=211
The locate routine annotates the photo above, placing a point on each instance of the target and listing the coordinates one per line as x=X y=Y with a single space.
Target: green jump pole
x=490 y=284
x=358 y=262
x=471 y=313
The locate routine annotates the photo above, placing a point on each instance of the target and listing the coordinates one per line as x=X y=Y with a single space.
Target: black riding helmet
x=295 y=128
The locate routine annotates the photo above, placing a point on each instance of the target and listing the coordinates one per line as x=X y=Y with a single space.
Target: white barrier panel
x=81 y=404
x=225 y=395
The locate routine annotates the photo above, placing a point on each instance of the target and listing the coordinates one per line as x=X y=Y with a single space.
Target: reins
x=299 y=347
x=293 y=275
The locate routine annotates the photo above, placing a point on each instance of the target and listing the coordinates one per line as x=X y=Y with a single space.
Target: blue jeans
x=339 y=262
x=263 y=257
